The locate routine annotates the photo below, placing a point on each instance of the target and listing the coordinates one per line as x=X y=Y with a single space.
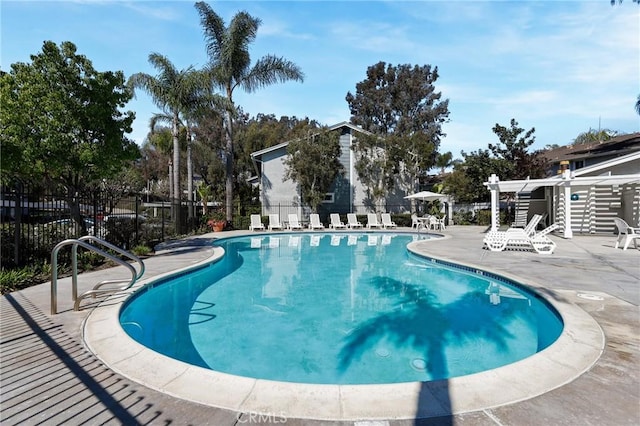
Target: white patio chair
x=626 y=233
x=336 y=223
x=314 y=222
x=256 y=223
x=372 y=221
x=274 y=222
x=415 y=223
x=352 y=221
x=387 y=222
x=294 y=223
x=432 y=222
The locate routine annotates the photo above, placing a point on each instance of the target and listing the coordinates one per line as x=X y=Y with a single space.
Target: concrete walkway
x=49 y=377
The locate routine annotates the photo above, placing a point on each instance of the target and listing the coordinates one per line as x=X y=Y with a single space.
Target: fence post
x=137 y=225
x=18 y=225
x=162 y=215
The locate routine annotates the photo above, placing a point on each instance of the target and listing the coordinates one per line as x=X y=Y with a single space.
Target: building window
x=578 y=164
x=328 y=198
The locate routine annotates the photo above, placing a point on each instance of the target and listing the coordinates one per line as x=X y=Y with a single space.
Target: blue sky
x=562 y=67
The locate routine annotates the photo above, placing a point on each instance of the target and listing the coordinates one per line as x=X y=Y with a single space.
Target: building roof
x=257 y=154
x=617 y=146
x=577 y=177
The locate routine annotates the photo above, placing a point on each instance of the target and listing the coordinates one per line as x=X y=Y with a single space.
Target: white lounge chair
x=314 y=222
x=336 y=223
x=352 y=221
x=530 y=227
x=256 y=223
x=541 y=243
x=294 y=223
x=519 y=240
x=387 y=222
x=372 y=221
x=626 y=233
x=274 y=222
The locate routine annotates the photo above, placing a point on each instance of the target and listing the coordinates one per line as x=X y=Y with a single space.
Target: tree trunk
x=189 y=174
x=229 y=166
x=177 y=192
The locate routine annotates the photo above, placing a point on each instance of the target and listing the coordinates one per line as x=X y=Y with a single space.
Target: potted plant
x=217 y=222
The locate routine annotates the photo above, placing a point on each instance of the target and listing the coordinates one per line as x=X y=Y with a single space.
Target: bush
x=19 y=278
x=141 y=250
x=121 y=231
x=483 y=217
x=88 y=260
x=463 y=217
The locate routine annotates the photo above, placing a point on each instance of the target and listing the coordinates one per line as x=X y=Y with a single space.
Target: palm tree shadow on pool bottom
x=419 y=322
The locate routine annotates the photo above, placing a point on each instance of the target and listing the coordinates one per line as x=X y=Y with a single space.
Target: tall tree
x=399 y=104
x=314 y=164
x=173 y=91
x=466 y=182
x=61 y=122
x=514 y=149
x=594 y=136
x=444 y=160
x=230 y=65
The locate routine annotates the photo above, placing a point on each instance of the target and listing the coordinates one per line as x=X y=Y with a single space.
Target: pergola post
x=566 y=183
x=495 y=201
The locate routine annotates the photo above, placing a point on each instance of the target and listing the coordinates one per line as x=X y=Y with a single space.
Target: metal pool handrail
x=83 y=242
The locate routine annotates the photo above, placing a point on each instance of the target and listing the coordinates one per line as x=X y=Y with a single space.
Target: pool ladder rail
x=91 y=243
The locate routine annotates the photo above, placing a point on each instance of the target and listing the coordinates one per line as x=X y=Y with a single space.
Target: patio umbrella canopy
x=425 y=196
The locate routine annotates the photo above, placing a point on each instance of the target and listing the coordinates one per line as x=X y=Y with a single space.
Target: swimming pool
x=338 y=308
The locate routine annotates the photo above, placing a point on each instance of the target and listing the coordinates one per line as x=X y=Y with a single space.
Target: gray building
x=281 y=196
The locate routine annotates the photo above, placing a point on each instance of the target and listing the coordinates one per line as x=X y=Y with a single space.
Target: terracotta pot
x=217 y=225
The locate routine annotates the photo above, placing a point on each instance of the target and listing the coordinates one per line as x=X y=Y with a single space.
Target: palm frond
x=214 y=30
x=269 y=70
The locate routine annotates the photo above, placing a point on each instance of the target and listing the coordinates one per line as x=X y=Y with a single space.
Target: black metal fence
x=32 y=221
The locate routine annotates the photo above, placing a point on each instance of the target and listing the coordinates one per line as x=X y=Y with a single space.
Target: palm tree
x=444 y=160
x=175 y=93
x=230 y=65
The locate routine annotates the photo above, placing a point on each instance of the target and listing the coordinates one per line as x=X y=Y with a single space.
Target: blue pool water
x=341 y=309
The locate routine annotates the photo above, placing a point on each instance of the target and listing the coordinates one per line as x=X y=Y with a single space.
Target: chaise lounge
x=256 y=223
x=520 y=240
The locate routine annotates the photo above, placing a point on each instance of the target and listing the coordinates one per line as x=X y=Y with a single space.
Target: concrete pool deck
x=48 y=375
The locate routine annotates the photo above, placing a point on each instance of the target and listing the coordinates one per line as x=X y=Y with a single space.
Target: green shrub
x=463 y=217
x=89 y=259
x=483 y=217
x=141 y=250
x=15 y=279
